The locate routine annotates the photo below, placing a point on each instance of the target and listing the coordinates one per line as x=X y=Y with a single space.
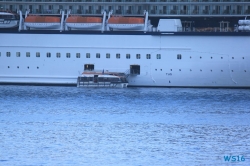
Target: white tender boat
x=8 y=20
x=98 y=79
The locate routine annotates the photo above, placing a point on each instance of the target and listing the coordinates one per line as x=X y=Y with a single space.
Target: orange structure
x=80 y=19
x=43 y=19
x=126 y=20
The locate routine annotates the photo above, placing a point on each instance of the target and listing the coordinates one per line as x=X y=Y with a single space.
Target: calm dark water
x=43 y=125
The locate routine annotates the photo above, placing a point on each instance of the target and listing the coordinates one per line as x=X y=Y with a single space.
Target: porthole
x=179 y=69
x=8 y=66
x=221 y=70
x=200 y=70
x=242 y=57
x=28 y=67
x=211 y=57
x=232 y=71
x=221 y=57
x=18 y=67
x=232 y=57
x=37 y=67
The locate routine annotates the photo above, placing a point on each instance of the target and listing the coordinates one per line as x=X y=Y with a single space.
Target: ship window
x=38 y=54
x=158 y=56
x=27 y=54
x=232 y=57
x=135 y=69
x=127 y=56
x=221 y=57
x=89 y=67
x=8 y=54
x=107 y=55
x=0 y=54
x=18 y=54
x=148 y=56
x=178 y=56
x=58 y=54
x=78 y=55
x=67 y=55
x=87 y=55
x=242 y=57
x=98 y=55
x=118 y=56
x=138 y=56
x=48 y=54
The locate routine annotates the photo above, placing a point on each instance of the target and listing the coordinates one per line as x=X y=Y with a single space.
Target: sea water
x=54 y=125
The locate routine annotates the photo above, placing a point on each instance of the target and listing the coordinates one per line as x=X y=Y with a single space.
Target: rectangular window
x=127 y=56
x=138 y=56
x=18 y=54
x=148 y=56
x=158 y=56
x=67 y=55
x=38 y=54
x=178 y=56
x=107 y=55
x=58 y=55
x=78 y=55
x=27 y=54
x=98 y=55
x=48 y=54
x=8 y=54
x=118 y=56
x=87 y=55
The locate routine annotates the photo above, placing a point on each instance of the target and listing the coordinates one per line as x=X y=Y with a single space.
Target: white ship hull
x=206 y=61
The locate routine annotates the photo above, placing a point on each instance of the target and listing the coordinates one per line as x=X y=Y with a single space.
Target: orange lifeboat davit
x=42 y=22
x=81 y=22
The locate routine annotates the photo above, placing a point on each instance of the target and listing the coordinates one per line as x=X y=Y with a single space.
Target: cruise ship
x=166 y=43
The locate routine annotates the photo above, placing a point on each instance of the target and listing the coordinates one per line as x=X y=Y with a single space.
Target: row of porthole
x=155 y=69
x=212 y=57
x=27 y=67
x=200 y=70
